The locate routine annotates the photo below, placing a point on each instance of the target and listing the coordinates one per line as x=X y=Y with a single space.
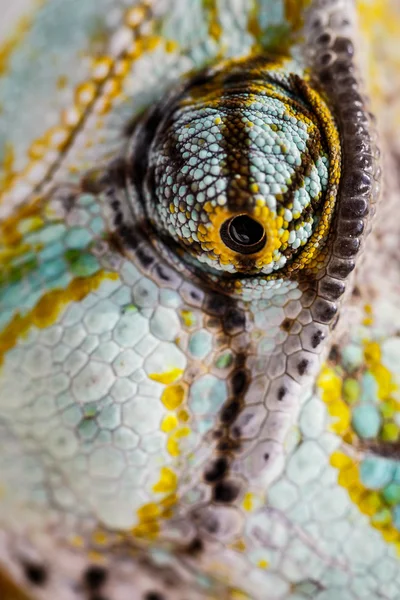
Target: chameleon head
x=243 y=167
x=143 y=414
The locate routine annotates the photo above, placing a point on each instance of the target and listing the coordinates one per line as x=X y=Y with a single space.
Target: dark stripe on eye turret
x=308 y=158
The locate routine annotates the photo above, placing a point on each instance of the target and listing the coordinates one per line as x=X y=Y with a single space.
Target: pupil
x=245 y=230
x=243 y=234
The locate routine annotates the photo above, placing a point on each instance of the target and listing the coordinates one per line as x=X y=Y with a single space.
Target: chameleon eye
x=241 y=168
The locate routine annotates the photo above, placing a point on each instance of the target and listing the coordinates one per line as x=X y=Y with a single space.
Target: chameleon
x=199 y=323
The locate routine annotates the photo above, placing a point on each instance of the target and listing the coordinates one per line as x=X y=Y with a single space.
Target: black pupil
x=243 y=234
x=245 y=230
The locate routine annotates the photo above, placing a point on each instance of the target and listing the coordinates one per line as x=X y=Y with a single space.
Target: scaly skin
x=181 y=418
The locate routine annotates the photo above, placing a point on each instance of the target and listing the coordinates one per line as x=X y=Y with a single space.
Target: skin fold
x=199 y=282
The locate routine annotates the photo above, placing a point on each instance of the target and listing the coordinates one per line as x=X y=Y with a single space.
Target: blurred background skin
x=10 y=13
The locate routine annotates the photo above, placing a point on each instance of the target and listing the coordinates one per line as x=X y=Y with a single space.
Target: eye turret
x=241 y=168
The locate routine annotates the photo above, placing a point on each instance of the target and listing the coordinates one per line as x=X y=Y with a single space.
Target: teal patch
x=391 y=493
x=369 y=388
x=207 y=395
x=200 y=344
x=352 y=357
x=376 y=472
x=81 y=264
x=366 y=421
x=396 y=517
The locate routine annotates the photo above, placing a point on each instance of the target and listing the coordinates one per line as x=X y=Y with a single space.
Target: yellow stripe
x=294 y=13
x=48 y=308
x=214 y=25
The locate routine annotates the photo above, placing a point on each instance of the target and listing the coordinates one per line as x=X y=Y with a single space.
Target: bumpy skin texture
x=179 y=419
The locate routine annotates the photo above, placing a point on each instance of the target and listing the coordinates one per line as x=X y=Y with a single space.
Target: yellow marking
x=331 y=387
x=285 y=235
x=171 y=46
x=77 y=541
x=169 y=501
x=340 y=461
x=37 y=150
x=390 y=432
x=173 y=396
x=20 y=30
x=214 y=25
x=294 y=13
x=135 y=16
x=330 y=383
x=149 y=511
x=368 y=320
x=48 y=308
x=169 y=423
x=101 y=68
x=173 y=442
x=253 y=25
x=96 y=557
x=372 y=355
x=370 y=503
x=263 y=564
x=248 y=501
x=148 y=530
x=85 y=93
x=167 y=377
x=183 y=416
x=100 y=538
x=142 y=45
x=148 y=526
x=167 y=483
x=7 y=172
x=62 y=82
x=150 y=515
x=10 y=228
x=236 y=594
x=239 y=546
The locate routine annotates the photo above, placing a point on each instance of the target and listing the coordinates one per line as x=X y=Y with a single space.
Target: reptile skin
x=199 y=321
